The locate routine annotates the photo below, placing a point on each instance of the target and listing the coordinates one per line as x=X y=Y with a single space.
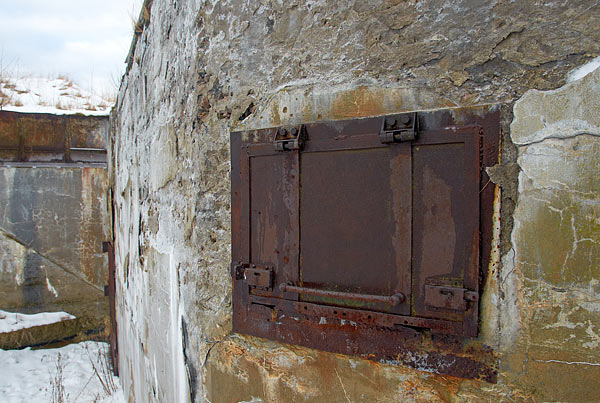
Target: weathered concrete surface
x=200 y=69
x=52 y=224
x=555 y=262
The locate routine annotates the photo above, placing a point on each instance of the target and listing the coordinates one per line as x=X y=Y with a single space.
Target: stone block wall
x=200 y=69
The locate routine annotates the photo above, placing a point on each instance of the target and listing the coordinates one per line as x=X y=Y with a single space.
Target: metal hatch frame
x=266 y=307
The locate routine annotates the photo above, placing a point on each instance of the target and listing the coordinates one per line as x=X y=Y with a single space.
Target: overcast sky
x=87 y=40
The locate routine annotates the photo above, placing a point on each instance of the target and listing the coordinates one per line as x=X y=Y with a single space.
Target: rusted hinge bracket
x=452 y=298
x=399 y=128
x=287 y=139
x=255 y=276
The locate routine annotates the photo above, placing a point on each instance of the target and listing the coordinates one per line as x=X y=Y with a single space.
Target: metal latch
x=289 y=138
x=255 y=276
x=453 y=298
x=396 y=129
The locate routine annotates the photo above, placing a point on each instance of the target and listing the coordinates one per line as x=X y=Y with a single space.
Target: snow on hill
x=50 y=95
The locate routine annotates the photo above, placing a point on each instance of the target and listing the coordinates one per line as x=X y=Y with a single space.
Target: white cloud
x=85 y=40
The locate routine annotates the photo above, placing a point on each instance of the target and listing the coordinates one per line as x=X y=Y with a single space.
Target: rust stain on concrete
x=357 y=102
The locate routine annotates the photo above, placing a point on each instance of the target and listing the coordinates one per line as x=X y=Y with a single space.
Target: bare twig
x=59 y=394
x=103 y=370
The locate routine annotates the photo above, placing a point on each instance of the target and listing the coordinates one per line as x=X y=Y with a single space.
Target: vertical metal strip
x=67 y=141
x=245 y=227
x=401 y=191
x=471 y=278
x=291 y=200
x=240 y=207
x=297 y=184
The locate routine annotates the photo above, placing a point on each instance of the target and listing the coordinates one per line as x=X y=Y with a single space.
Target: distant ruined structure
x=54 y=216
x=358 y=201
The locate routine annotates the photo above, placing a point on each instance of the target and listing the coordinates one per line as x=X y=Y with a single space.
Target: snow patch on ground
x=584 y=70
x=10 y=322
x=59 y=96
x=28 y=375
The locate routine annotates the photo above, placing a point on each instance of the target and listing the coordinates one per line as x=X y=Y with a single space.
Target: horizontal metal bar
x=29 y=149
x=35 y=149
x=360 y=316
x=57 y=164
x=90 y=149
x=393 y=300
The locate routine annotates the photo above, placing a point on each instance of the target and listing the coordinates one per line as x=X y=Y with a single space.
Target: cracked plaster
x=556 y=238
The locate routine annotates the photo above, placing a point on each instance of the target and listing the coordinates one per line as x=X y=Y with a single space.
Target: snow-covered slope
x=50 y=95
x=10 y=322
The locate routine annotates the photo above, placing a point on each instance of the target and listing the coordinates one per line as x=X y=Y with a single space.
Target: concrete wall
x=53 y=219
x=201 y=69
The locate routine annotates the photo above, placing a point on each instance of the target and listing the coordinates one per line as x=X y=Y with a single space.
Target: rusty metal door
x=445 y=225
x=374 y=222
x=355 y=221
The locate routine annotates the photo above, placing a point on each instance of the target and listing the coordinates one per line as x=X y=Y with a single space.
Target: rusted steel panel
x=324 y=312
x=376 y=340
x=42 y=137
x=12 y=147
x=445 y=216
x=355 y=228
x=274 y=210
x=367 y=221
x=84 y=138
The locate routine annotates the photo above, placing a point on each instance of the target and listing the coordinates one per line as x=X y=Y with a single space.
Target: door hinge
x=287 y=139
x=254 y=275
x=452 y=298
x=399 y=128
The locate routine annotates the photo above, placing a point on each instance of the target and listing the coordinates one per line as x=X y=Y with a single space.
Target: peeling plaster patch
x=50 y=287
x=489 y=306
x=582 y=71
x=594 y=336
x=12 y=259
x=163 y=156
x=20 y=276
x=556 y=236
x=571 y=362
x=509 y=304
x=565 y=112
x=577 y=178
x=562 y=129
x=421 y=362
